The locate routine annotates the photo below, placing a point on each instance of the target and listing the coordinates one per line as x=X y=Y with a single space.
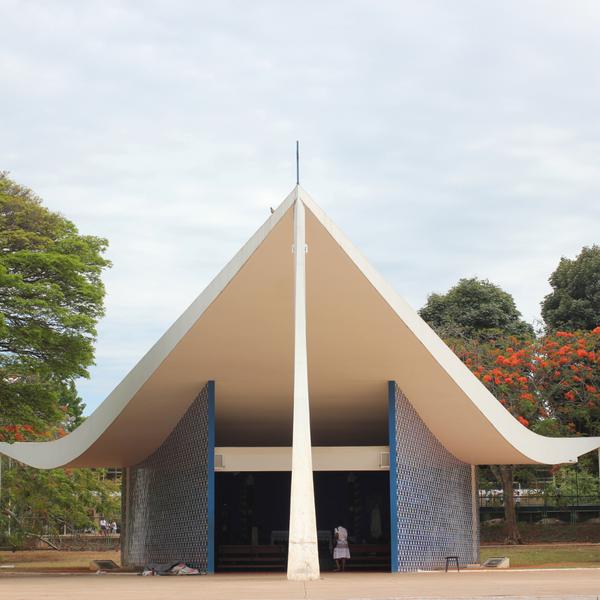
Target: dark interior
x=252 y=519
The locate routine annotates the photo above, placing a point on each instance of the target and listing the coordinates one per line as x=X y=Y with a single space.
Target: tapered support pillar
x=303 y=555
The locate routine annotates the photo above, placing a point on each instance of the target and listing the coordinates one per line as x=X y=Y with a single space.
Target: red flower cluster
x=506 y=367
x=555 y=376
x=27 y=433
x=16 y=433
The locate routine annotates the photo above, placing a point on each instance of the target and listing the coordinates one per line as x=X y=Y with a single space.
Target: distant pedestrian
x=341 y=550
x=103 y=526
x=113 y=527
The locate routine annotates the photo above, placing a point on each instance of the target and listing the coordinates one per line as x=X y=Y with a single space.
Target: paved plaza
x=527 y=584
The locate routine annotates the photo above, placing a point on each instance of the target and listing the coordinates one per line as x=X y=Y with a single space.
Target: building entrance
x=360 y=502
x=252 y=519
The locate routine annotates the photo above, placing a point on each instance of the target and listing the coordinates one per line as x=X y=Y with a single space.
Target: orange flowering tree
x=568 y=378
x=550 y=385
x=481 y=323
x=506 y=365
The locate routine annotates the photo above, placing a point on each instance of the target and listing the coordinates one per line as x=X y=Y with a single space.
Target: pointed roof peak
x=237 y=333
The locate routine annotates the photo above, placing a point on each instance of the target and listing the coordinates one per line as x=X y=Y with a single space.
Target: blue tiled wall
x=166 y=497
x=434 y=501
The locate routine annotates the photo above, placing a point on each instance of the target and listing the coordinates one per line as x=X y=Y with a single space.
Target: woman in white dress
x=341 y=550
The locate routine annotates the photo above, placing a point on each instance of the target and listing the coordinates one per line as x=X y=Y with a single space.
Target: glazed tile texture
x=166 y=497
x=435 y=499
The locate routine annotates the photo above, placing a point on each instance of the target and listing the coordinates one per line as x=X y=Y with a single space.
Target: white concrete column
x=303 y=555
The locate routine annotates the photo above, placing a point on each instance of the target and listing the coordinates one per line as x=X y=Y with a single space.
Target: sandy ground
x=577 y=584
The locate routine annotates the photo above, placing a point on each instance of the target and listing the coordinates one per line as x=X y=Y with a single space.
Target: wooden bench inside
x=251 y=558
x=369 y=557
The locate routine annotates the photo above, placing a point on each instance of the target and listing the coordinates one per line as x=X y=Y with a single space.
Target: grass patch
x=548 y=556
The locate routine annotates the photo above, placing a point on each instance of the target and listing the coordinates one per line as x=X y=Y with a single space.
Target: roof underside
x=239 y=332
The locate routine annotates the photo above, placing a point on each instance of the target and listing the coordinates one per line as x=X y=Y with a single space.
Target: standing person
x=113 y=527
x=103 y=526
x=341 y=550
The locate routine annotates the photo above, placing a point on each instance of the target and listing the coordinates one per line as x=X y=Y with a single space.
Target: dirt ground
x=579 y=584
x=545 y=534
x=541 y=555
x=52 y=560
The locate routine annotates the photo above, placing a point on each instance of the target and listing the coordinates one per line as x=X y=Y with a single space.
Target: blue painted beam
x=393 y=482
x=211 y=477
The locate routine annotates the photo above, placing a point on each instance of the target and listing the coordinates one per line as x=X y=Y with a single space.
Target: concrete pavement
x=574 y=584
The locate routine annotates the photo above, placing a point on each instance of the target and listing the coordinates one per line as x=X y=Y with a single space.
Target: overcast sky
x=447 y=139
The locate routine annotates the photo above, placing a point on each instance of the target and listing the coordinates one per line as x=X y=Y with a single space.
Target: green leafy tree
x=51 y=296
x=569 y=482
x=476 y=309
x=40 y=502
x=574 y=302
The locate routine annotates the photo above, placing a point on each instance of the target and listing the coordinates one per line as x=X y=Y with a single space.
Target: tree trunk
x=505 y=475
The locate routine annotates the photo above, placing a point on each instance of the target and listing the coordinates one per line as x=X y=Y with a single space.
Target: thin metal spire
x=297 y=162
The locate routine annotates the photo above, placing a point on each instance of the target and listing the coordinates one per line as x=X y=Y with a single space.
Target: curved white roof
x=239 y=332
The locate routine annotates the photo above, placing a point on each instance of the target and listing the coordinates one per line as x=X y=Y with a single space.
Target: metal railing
x=540 y=500
x=534 y=507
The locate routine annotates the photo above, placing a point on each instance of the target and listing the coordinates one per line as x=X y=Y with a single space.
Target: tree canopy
x=48 y=502
x=482 y=325
x=51 y=296
x=474 y=308
x=549 y=384
x=574 y=302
